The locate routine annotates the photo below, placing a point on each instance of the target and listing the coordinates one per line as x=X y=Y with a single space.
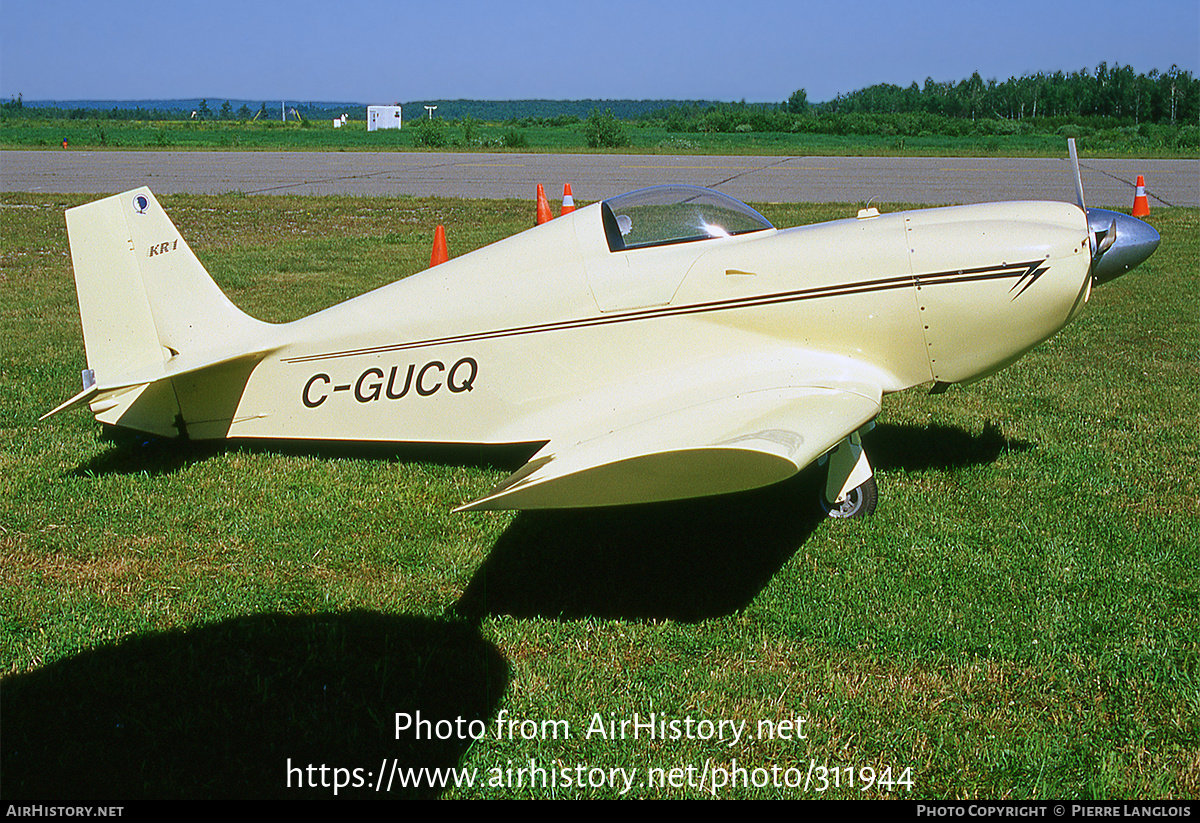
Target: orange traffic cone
x=440 y=253
x=543 y=207
x=568 y=201
x=1141 y=205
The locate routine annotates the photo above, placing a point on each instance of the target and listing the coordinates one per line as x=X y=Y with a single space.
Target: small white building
x=383 y=117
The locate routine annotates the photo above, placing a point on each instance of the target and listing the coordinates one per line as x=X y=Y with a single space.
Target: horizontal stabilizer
x=97 y=393
x=88 y=395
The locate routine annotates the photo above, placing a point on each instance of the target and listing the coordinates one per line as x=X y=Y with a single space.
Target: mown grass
x=1017 y=620
x=643 y=138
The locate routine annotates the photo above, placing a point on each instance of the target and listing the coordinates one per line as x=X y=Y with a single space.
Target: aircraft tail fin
x=151 y=313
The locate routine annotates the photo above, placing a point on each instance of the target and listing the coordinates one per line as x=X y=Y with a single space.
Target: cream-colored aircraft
x=664 y=344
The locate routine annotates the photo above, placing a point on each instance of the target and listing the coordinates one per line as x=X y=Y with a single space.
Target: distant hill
x=488 y=110
x=184 y=105
x=501 y=110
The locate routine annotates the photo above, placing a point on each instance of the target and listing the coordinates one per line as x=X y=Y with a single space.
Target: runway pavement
x=928 y=180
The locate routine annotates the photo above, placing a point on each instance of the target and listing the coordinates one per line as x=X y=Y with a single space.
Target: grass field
x=648 y=138
x=1018 y=620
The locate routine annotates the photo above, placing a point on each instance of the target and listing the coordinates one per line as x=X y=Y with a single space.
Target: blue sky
x=376 y=52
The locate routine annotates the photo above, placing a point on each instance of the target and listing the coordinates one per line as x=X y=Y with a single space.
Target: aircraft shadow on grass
x=221 y=711
x=692 y=559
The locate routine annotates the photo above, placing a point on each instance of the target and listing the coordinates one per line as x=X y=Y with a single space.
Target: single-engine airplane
x=664 y=344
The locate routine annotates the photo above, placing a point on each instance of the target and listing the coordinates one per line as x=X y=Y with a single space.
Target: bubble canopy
x=660 y=215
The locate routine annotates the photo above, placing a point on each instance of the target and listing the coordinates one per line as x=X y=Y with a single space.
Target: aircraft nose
x=1135 y=241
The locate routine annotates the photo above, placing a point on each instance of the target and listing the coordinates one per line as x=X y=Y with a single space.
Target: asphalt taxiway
x=924 y=180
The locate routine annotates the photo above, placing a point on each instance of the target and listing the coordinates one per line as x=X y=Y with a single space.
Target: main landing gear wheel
x=859 y=502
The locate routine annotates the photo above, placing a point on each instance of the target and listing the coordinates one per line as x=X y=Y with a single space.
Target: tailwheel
x=859 y=501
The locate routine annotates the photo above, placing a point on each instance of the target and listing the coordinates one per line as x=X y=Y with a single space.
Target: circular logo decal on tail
x=140 y=204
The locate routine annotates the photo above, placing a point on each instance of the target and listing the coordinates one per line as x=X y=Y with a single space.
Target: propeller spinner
x=1119 y=242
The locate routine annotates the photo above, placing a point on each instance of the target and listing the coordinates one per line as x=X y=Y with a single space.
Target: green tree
x=469 y=124
x=432 y=132
x=971 y=93
x=604 y=131
x=798 y=102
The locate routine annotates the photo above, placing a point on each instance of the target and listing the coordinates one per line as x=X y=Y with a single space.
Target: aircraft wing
x=739 y=441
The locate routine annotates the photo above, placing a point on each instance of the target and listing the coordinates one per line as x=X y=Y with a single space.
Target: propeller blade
x=1078 y=178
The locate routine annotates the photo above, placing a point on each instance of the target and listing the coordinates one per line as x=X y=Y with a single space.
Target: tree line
x=1157 y=108
x=1116 y=92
